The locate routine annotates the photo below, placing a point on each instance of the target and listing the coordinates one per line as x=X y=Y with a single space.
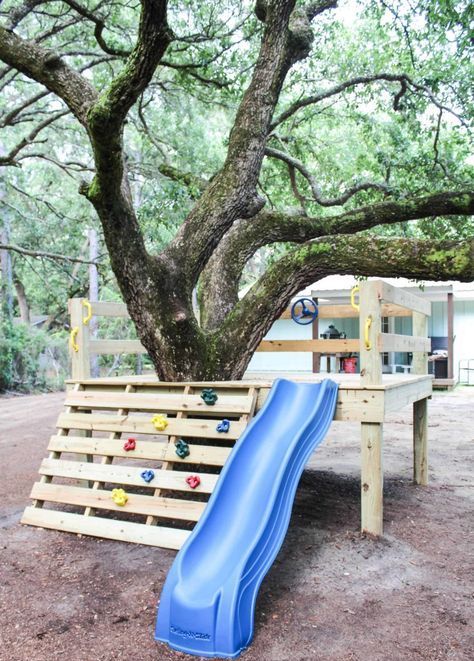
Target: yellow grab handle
x=88 y=317
x=368 y=324
x=72 y=339
x=355 y=290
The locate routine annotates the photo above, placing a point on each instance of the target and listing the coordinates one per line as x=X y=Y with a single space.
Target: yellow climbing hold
x=160 y=421
x=119 y=497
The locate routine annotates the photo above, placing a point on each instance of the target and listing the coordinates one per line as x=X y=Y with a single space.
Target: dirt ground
x=331 y=595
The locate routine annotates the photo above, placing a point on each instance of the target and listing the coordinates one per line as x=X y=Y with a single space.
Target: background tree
x=280 y=142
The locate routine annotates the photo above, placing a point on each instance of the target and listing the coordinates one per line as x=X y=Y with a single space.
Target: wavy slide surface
x=208 y=601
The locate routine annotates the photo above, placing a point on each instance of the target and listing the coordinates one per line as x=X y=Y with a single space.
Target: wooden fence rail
x=377 y=299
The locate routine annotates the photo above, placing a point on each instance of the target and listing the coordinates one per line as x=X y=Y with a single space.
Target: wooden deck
x=356 y=401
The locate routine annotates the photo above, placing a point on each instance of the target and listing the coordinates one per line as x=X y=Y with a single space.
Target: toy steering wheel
x=308 y=312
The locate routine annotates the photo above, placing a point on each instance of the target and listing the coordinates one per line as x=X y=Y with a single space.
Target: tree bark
x=220 y=280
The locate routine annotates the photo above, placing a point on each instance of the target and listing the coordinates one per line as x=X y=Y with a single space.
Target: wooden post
x=420 y=358
x=315 y=336
x=420 y=442
x=420 y=408
x=93 y=293
x=450 y=336
x=80 y=364
x=372 y=478
x=370 y=360
x=371 y=432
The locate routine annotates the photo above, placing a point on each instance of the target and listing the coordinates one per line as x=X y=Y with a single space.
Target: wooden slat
x=161 y=402
x=407 y=393
x=130 y=424
x=109 y=309
x=390 y=294
x=89 y=511
x=144 y=450
x=319 y=346
x=169 y=508
x=394 y=342
x=125 y=475
x=96 y=526
x=168 y=465
x=347 y=311
x=55 y=455
x=100 y=347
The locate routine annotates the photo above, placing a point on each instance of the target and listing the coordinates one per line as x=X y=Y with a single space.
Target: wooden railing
x=377 y=299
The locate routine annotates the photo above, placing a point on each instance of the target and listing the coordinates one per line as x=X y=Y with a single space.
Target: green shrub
x=31 y=359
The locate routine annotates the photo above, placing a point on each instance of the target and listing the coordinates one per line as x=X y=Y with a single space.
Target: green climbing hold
x=182 y=448
x=209 y=396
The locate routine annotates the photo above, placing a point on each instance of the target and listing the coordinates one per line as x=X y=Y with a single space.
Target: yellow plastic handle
x=72 y=339
x=88 y=306
x=368 y=324
x=355 y=290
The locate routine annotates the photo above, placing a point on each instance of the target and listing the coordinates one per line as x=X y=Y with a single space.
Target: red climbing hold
x=193 y=481
x=130 y=444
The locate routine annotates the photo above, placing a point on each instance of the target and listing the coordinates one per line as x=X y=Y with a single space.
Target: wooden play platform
x=87 y=458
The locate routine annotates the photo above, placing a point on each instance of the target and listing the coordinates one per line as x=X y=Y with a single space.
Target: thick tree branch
x=195 y=184
x=316 y=8
x=154 y=36
x=220 y=280
x=315 y=189
x=47 y=68
x=232 y=193
x=355 y=255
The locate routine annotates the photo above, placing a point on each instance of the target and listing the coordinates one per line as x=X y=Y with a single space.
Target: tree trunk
x=22 y=301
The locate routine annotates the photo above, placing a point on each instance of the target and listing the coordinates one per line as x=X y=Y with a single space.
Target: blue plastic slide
x=208 y=600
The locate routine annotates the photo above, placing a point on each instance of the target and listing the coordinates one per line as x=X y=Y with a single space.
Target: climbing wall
x=113 y=471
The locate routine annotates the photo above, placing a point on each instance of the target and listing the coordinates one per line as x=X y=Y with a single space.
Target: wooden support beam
x=101 y=347
x=343 y=311
x=420 y=358
x=394 y=342
x=79 y=353
x=371 y=478
x=315 y=336
x=370 y=327
x=390 y=294
x=314 y=346
x=420 y=442
x=420 y=408
x=109 y=309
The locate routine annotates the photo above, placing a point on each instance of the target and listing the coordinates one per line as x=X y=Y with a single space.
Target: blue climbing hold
x=147 y=475
x=223 y=426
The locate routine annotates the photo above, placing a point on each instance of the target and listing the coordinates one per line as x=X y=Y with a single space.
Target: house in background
x=451 y=329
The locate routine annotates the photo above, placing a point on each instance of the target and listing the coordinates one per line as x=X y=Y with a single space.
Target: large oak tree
x=233 y=215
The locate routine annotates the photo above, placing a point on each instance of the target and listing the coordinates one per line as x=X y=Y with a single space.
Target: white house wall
x=463 y=332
